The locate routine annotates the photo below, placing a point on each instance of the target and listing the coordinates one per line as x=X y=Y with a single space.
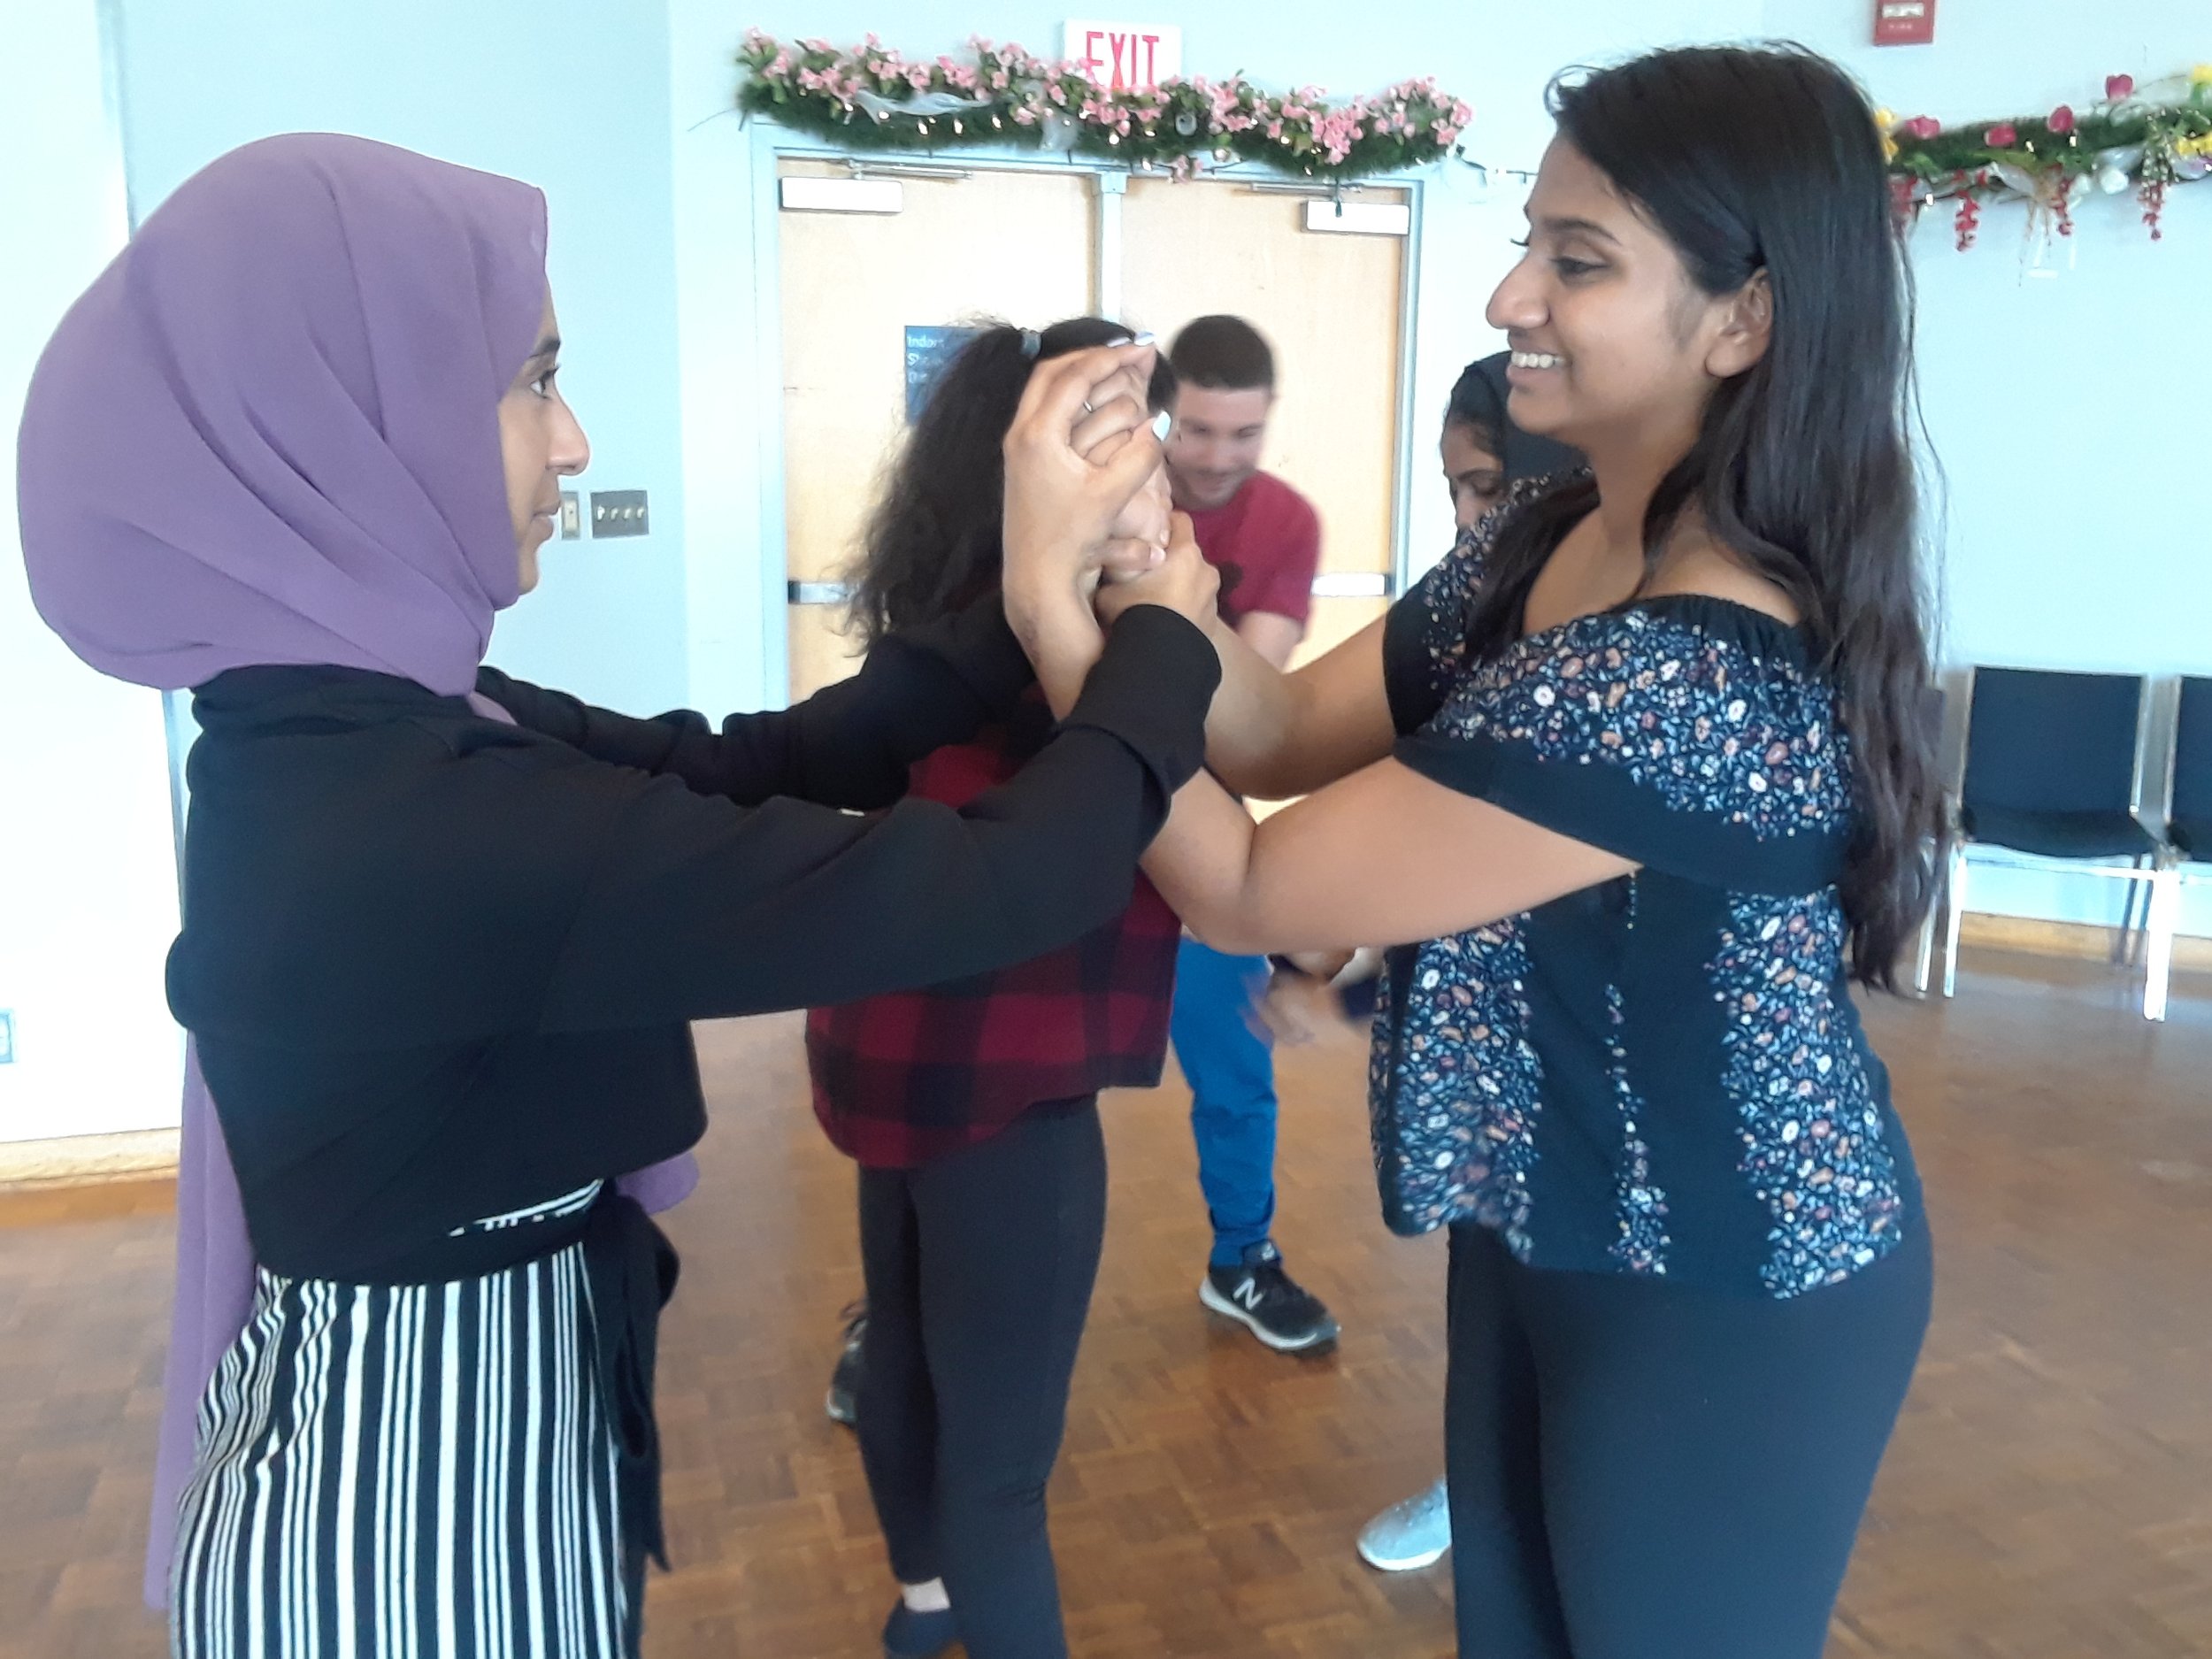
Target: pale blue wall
x=2067 y=409
x=1497 y=56
x=572 y=94
x=87 y=860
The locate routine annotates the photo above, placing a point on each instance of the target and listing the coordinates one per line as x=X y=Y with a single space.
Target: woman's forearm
x=1057 y=629
x=1201 y=863
x=1274 y=735
x=1252 y=725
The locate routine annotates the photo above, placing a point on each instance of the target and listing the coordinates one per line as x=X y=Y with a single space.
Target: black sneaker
x=1265 y=1298
x=845 y=1380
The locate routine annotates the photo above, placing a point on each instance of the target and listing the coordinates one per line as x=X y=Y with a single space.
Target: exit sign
x=1125 y=57
x=1904 y=22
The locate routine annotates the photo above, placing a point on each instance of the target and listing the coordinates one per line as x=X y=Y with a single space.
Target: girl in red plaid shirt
x=971 y=1108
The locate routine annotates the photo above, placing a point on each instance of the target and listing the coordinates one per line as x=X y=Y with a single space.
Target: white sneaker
x=1413 y=1533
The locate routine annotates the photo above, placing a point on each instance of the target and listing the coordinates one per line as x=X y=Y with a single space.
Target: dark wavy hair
x=932 y=545
x=1766 y=159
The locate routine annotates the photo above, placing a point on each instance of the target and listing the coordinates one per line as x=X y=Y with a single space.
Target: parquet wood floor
x=2049 y=1495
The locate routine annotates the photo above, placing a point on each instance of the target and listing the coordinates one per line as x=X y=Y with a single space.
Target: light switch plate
x=619 y=512
x=572 y=517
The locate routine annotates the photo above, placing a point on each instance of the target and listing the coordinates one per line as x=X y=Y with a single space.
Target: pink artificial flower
x=2118 y=87
x=2061 y=121
x=1057 y=93
x=1925 y=127
x=917 y=77
x=2002 y=136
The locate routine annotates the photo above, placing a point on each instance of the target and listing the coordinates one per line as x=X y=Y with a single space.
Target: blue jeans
x=1230 y=1065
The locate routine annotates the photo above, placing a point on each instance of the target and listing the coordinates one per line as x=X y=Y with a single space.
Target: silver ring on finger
x=1088 y=409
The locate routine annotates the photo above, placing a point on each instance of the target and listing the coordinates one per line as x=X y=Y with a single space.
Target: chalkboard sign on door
x=930 y=347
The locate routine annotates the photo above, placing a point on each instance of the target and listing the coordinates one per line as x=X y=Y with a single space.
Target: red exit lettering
x=1130 y=62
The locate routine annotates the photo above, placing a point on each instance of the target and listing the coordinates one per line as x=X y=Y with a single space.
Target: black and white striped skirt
x=407 y=1472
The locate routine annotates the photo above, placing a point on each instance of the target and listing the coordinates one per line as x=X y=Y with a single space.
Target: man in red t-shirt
x=1265 y=539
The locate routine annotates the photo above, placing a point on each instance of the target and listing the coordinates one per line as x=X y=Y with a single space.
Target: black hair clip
x=1031 y=344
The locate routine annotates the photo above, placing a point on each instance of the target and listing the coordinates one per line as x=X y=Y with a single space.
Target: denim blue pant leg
x=1230 y=1065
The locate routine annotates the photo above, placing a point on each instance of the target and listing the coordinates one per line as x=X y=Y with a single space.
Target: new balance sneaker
x=846 y=1379
x=1414 y=1533
x=1267 y=1299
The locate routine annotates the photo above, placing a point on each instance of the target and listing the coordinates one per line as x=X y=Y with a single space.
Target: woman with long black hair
x=1640 y=767
x=971 y=1108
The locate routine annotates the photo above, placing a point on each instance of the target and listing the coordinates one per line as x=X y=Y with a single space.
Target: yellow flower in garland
x=1884 y=121
x=2201 y=75
x=2200 y=145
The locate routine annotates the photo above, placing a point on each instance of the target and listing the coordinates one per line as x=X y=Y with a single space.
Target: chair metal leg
x=2162 y=916
x=1923 y=953
x=1953 y=903
x=2123 y=945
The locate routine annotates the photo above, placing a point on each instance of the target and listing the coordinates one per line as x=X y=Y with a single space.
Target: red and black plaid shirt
x=901 y=1079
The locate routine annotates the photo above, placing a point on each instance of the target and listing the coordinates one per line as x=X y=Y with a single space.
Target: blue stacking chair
x=2053 y=781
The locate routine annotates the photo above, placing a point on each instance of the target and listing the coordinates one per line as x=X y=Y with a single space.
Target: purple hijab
x=266 y=435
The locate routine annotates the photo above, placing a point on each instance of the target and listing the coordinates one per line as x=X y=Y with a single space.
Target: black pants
x=980 y=1268
x=1645 y=1471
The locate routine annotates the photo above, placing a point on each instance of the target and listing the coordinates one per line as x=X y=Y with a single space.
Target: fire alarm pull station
x=1904 y=22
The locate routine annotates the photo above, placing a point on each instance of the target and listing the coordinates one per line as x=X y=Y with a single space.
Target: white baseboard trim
x=2064 y=939
x=77 y=1160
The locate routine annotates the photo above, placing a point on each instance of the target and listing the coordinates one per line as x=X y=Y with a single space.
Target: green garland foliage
x=870 y=98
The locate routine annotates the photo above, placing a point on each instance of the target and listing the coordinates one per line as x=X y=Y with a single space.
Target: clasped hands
x=1089 y=530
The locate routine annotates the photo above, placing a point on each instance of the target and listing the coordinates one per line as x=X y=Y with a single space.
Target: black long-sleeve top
x=439 y=968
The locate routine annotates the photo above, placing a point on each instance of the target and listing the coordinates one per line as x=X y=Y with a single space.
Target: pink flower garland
x=1170 y=125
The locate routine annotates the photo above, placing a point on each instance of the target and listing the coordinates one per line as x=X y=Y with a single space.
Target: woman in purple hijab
x=443 y=931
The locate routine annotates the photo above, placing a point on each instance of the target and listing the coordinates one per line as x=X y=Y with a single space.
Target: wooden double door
x=1030 y=247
